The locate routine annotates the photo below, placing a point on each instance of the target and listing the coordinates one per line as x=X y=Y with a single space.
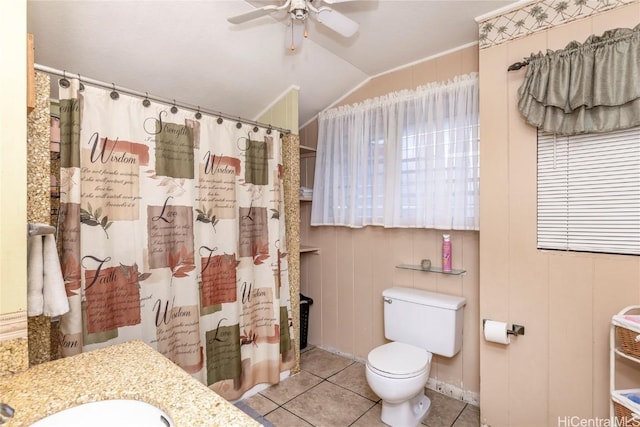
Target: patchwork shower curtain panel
x=172 y=232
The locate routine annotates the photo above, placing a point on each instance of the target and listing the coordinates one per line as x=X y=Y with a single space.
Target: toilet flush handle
x=387 y=300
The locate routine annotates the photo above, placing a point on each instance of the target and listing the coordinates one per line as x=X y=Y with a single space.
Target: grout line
x=357 y=394
x=363 y=414
x=456 y=419
x=285 y=409
x=354 y=392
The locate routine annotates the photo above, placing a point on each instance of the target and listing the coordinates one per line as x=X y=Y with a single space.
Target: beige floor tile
x=371 y=418
x=291 y=387
x=345 y=399
x=470 y=417
x=260 y=404
x=329 y=405
x=323 y=363
x=444 y=410
x=283 y=418
x=354 y=378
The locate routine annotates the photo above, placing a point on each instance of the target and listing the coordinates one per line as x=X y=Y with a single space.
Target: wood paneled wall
x=560 y=368
x=354 y=266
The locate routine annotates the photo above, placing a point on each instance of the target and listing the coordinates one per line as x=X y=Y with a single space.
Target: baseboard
x=13 y=325
x=457 y=393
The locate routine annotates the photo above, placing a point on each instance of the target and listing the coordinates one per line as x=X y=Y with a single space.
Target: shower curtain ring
x=220 y=120
x=198 y=113
x=63 y=81
x=255 y=129
x=239 y=124
x=114 y=93
x=174 y=109
x=145 y=101
x=81 y=88
x=269 y=130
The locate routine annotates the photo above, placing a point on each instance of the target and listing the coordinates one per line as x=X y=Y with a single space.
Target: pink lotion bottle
x=446 y=252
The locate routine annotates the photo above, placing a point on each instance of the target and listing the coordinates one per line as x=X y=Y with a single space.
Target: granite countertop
x=132 y=370
x=14 y=356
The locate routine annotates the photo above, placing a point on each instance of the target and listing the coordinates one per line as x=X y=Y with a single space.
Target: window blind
x=589 y=192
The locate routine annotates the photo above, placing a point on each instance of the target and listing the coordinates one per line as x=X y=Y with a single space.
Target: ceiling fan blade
x=337 y=21
x=253 y=14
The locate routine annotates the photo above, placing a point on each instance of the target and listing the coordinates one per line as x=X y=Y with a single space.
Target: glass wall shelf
x=309 y=249
x=431 y=269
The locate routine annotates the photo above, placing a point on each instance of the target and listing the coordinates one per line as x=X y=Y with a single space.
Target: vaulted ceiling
x=188 y=51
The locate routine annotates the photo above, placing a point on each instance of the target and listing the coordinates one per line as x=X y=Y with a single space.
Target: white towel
x=55 y=296
x=45 y=284
x=35 y=276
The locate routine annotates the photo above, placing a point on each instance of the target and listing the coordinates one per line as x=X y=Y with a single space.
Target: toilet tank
x=428 y=320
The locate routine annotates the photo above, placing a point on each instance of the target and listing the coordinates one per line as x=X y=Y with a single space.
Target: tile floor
x=332 y=391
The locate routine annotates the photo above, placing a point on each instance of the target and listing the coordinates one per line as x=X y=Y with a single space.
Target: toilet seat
x=398 y=360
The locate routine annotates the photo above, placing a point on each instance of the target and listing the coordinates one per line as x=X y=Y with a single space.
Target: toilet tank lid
x=418 y=296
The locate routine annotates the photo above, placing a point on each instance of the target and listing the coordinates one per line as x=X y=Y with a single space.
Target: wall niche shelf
x=304 y=149
x=431 y=269
x=304 y=249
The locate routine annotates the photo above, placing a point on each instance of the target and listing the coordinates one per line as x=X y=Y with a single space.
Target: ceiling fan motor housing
x=299 y=10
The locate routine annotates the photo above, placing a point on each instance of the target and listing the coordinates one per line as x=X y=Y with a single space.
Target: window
x=409 y=159
x=589 y=192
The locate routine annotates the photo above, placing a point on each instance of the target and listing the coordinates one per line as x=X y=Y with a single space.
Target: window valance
x=585 y=88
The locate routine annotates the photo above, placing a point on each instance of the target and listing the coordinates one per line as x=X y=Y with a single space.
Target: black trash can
x=305 y=302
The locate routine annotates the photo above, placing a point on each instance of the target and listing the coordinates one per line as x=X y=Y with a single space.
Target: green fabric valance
x=585 y=88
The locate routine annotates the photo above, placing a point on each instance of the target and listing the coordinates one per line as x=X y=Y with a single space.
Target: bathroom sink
x=103 y=413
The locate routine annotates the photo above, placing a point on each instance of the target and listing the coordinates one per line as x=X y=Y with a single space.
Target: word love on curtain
x=173 y=233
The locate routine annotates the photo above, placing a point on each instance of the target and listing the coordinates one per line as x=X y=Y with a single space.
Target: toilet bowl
x=397 y=373
x=419 y=324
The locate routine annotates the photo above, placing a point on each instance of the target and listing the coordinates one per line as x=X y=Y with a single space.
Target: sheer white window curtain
x=408 y=159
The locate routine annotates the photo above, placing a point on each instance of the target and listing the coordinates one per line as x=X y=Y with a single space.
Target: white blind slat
x=589 y=192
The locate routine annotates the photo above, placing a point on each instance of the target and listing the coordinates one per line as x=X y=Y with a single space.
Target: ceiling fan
x=298 y=11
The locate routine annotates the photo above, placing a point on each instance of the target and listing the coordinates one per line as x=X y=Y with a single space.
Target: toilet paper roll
x=496 y=332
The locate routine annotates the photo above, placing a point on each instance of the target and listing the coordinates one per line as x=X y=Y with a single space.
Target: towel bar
x=37 y=229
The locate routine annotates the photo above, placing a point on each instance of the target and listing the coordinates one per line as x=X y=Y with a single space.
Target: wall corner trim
x=276 y=100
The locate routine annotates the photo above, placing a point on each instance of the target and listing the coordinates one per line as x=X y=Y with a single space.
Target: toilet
x=419 y=324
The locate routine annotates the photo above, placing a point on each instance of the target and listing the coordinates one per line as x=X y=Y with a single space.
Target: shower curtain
x=172 y=232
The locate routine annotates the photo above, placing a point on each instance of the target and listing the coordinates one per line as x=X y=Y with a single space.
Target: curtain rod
x=172 y=102
x=517 y=65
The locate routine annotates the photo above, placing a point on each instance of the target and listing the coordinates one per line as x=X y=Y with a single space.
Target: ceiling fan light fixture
x=299 y=14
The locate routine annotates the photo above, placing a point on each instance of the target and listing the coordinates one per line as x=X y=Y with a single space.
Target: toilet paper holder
x=515 y=329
